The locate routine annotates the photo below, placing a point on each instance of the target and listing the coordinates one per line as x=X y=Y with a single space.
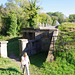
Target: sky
x=67 y=7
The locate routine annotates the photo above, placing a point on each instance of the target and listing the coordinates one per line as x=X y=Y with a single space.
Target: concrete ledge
x=24 y=40
x=3 y=42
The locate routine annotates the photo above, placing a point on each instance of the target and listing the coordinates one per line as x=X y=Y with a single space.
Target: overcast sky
x=67 y=7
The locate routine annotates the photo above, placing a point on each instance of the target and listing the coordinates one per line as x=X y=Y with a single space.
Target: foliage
x=58 y=67
x=2 y=38
x=13 y=25
x=32 y=13
x=57 y=16
x=18 y=7
x=67 y=27
x=64 y=53
x=65 y=41
x=13 y=45
x=54 y=18
x=10 y=68
x=44 y=18
x=4 y=61
x=65 y=58
x=63 y=65
x=26 y=15
x=72 y=18
x=1 y=24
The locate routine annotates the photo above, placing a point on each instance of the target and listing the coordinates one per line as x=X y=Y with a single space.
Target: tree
x=59 y=15
x=32 y=13
x=17 y=7
x=72 y=18
x=50 y=13
x=0 y=24
x=25 y=12
x=44 y=18
x=12 y=30
x=54 y=18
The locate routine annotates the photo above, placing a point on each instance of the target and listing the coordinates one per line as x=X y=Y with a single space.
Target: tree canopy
x=25 y=14
x=72 y=18
x=44 y=18
x=16 y=14
x=57 y=16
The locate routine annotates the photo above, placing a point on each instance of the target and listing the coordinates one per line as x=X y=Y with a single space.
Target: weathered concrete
x=22 y=43
x=3 y=49
x=50 y=56
x=39 y=40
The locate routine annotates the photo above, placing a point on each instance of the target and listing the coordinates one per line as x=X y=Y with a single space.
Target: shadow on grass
x=9 y=71
x=38 y=59
x=13 y=46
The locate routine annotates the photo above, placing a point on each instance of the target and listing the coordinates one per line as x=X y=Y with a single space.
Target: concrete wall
x=50 y=56
x=39 y=44
x=41 y=40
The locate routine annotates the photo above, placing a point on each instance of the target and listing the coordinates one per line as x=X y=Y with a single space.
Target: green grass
x=63 y=65
x=13 y=45
x=68 y=25
x=36 y=63
x=38 y=66
x=8 y=67
x=58 y=67
x=64 y=52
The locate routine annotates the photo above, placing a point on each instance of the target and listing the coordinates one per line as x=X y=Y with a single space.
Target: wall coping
x=3 y=42
x=41 y=28
x=24 y=40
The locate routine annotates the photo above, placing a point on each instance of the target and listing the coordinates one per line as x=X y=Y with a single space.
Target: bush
x=67 y=27
x=58 y=67
x=10 y=71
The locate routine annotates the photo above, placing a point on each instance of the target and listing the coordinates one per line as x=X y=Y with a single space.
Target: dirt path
x=14 y=58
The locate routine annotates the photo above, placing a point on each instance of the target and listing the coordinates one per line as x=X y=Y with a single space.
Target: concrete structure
x=37 y=40
x=50 y=56
x=3 y=49
x=23 y=43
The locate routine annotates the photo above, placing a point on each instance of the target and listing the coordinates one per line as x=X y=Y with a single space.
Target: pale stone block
x=22 y=43
x=55 y=34
x=3 y=49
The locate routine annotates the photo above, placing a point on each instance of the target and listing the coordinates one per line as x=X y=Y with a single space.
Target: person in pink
x=25 y=63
